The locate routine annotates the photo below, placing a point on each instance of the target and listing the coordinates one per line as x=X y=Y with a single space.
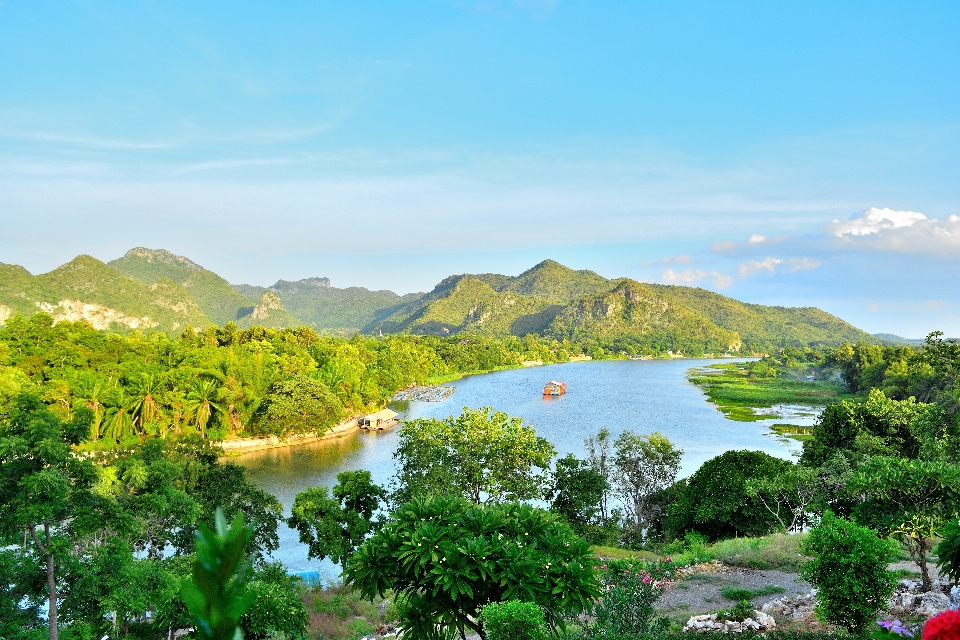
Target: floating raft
x=424 y=394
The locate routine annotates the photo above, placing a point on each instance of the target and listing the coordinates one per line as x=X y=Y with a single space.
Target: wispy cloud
x=691 y=277
x=756 y=266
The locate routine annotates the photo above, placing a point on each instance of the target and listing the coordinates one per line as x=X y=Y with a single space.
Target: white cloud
x=803 y=264
x=693 y=276
x=874 y=220
x=900 y=231
x=755 y=266
x=756 y=238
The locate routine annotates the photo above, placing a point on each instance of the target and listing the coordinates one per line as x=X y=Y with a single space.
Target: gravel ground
x=700 y=592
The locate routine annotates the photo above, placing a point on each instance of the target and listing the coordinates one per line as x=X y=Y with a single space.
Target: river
x=640 y=395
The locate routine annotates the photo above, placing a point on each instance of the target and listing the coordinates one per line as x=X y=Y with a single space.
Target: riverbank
x=239 y=446
x=737 y=393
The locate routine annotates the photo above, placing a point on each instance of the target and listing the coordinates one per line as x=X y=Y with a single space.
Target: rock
x=955 y=598
x=932 y=603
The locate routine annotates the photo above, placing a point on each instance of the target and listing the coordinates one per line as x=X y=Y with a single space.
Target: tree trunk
x=52 y=590
x=922 y=561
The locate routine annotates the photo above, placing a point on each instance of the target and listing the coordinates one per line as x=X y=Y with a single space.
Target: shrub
x=445 y=558
x=626 y=607
x=513 y=620
x=716 y=502
x=277 y=607
x=849 y=567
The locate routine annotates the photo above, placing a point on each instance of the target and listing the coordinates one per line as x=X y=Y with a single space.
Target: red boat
x=555 y=388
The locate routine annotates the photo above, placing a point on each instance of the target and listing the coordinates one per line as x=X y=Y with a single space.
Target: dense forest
x=224 y=382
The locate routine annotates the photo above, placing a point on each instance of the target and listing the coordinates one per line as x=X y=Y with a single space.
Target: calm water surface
x=640 y=395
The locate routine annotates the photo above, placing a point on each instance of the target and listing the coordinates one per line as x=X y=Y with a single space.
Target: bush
x=513 y=620
x=849 y=567
x=626 y=607
x=277 y=607
x=716 y=503
x=445 y=558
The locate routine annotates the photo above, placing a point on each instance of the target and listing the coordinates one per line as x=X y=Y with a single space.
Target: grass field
x=737 y=393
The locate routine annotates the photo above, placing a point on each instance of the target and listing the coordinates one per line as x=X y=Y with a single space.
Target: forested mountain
x=214 y=295
x=321 y=306
x=553 y=301
x=156 y=289
x=86 y=288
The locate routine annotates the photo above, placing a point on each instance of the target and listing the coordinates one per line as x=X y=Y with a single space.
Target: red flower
x=945 y=626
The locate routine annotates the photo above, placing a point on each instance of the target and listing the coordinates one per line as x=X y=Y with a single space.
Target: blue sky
x=391 y=144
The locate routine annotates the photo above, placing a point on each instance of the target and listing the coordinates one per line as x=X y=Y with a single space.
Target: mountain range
x=156 y=289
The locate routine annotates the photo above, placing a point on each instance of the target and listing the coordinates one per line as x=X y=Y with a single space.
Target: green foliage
x=481 y=455
x=717 y=502
x=849 y=568
x=626 y=605
x=876 y=426
x=576 y=493
x=277 y=608
x=44 y=490
x=739 y=595
x=445 y=558
x=216 y=593
x=948 y=551
x=513 y=620
x=335 y=527
x=910 y=499
x=299 y=403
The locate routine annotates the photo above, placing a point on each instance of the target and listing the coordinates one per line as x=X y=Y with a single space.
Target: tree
x=876 y=426
x=788 y=496
x=335 y=527
x=849 y=568
x=716 y=502
x=911 y=499
x=482 y=455
x=44 y=488
x=576 y=492
x=598 y=455
x=298 y=404
x=642 y=466
x=445 y=558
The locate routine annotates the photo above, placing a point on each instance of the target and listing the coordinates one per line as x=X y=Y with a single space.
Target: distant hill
x=214 y=295
x=268 y=312
x=555 y=301
x=321 y=306
x=895 y=340
x=88 y=289
x=156 y=289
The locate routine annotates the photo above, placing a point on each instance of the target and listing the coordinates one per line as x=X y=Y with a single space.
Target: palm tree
x=92 y=395
x=118 y=424
x=145 y=408
x=201 y=403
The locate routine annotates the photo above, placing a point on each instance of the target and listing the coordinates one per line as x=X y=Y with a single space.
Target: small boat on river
x=379 y=421
x=555 y=388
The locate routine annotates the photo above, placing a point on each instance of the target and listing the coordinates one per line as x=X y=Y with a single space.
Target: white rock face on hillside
x=99 y=316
